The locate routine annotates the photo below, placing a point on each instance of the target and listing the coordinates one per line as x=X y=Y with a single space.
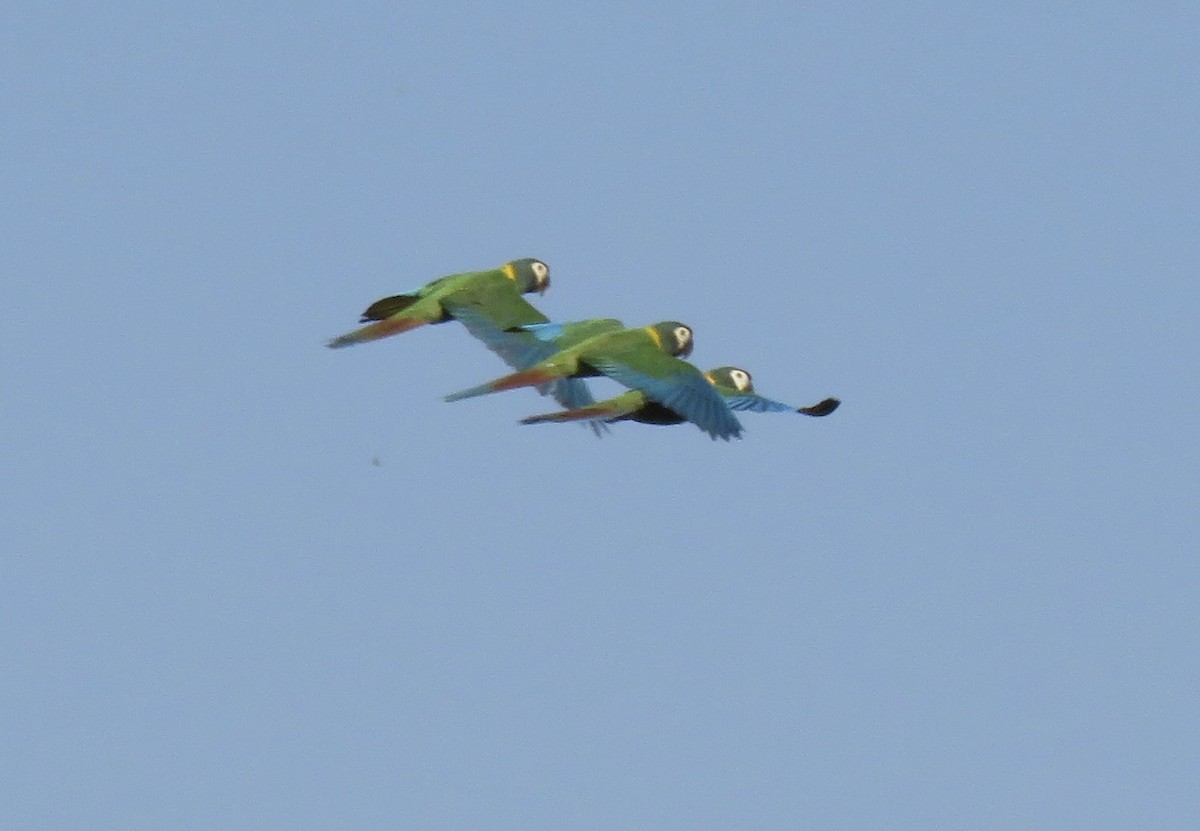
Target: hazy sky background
x=252 y=583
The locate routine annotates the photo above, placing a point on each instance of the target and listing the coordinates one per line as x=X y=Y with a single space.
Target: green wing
x=493 y=311
x=494 y=297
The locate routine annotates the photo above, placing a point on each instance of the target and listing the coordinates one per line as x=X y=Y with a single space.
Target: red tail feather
x=578 y=414
x=382 y=329
x=525 y=378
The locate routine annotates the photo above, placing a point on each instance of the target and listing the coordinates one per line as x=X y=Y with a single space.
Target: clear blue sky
x=252 y=583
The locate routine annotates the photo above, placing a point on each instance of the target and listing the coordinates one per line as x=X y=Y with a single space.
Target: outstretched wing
x=519 y=349
x=751 y=402
x=495 y=316
x=497 y=298
x=673 y=383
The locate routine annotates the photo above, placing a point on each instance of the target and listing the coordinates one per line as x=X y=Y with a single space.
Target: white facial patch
x=683 y=336
x=741 y=379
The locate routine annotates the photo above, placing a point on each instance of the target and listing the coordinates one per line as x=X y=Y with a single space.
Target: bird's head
x=676 y=338
x=732 y=377
x=529 y=275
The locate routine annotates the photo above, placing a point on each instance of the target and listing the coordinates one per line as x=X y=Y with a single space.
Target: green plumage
x=588 y=354
x=554 y=357
x=495 y=294
x=650 y=349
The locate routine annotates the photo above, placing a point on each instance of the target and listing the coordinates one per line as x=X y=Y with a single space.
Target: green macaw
x=490 y=305
x=645 y=359
x=733 y=383
x=495 y=294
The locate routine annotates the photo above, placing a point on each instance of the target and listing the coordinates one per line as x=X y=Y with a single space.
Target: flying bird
x=647 y=359
x=489 y=304
x=733 y=383
x=494 y=294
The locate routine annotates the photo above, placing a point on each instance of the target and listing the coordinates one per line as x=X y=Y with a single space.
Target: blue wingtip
x=752 y=402
x=725 y=432
x=546 y=332
x=598 y=427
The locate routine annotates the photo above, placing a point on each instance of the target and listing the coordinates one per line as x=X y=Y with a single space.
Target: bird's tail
x=525 y=378
x=375 y=331
x=598 y=411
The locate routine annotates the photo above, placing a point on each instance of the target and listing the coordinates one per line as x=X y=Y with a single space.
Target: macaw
x=731 y=382
x=488 y=303
x=645 y=359
x=494 y=294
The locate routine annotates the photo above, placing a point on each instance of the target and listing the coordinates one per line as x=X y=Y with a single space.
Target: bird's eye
x=741 y=380
x=683 y=335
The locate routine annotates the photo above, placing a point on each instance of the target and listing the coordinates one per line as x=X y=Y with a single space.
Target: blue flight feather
x=521 y=351
x=688 y=394
x=751 y=402
x=545 y=332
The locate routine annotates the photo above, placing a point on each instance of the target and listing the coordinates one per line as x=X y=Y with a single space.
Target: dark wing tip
x=388 y=306
x=824 y=408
